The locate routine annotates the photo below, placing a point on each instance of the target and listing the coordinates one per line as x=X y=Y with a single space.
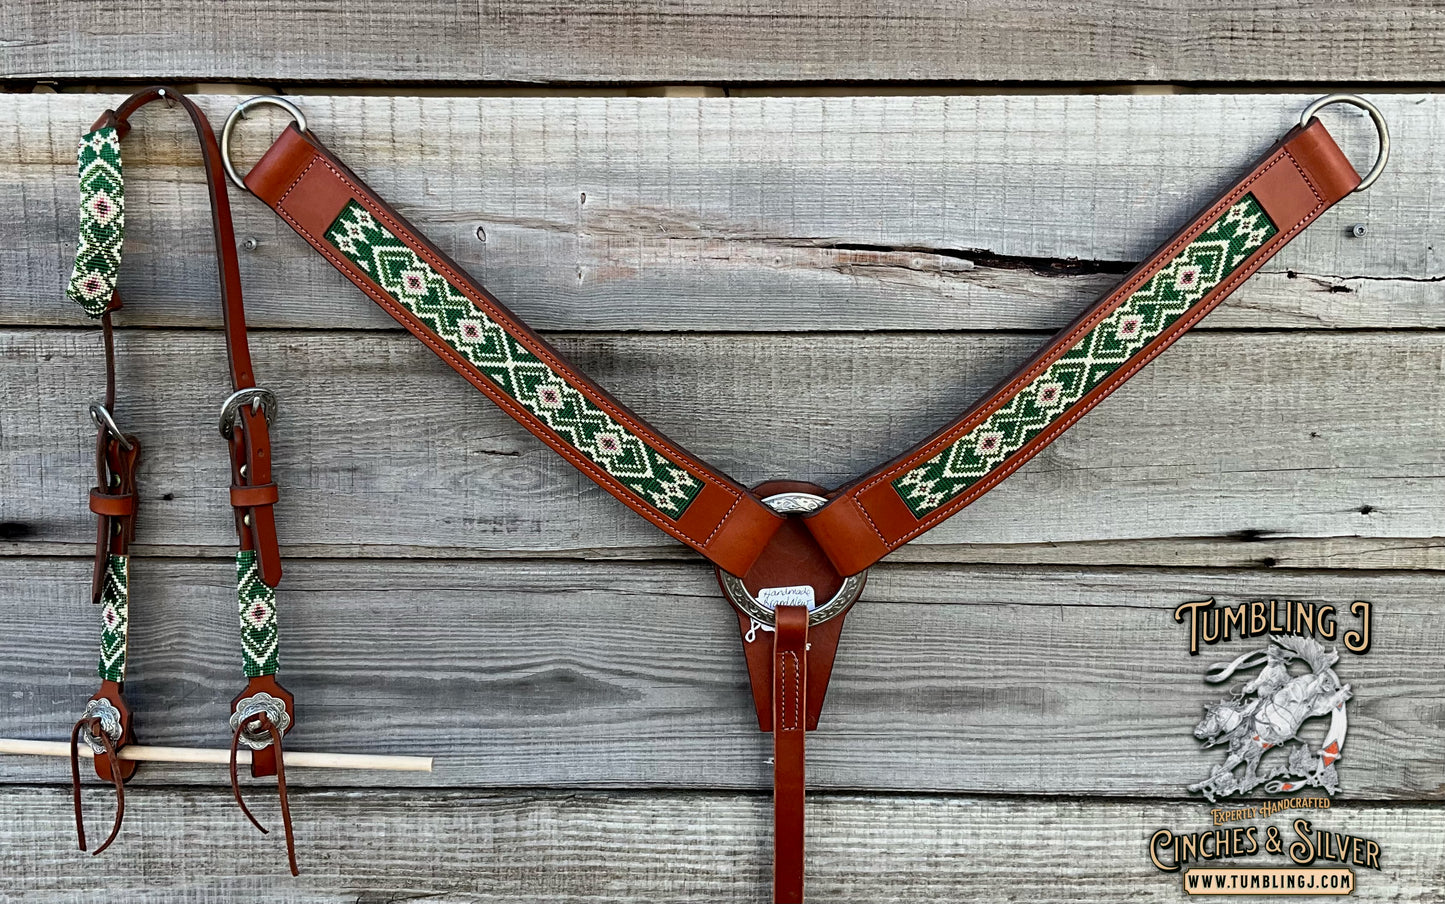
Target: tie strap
x=790 y=728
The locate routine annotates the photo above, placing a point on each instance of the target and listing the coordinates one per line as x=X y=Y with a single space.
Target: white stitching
x=791 y=706
x=1163 y=341
x=468 y=372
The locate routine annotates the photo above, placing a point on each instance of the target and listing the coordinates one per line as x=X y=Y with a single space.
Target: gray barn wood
x=1038 y=681
x=797 y=214
x=381 y=447
x=583 y=848
x=728 y=41
x=1012 y=684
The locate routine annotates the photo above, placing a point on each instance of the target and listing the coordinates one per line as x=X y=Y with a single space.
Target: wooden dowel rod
x=143 y=752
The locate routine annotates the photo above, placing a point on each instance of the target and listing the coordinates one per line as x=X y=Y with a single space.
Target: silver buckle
x=105 y=421
x=260 y=400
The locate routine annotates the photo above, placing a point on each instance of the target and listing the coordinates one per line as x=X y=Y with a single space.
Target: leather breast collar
x=792 y=557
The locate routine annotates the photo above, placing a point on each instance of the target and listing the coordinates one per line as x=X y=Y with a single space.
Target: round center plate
x=739 y=595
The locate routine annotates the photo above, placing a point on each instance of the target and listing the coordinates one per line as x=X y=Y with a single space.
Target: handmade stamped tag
x=801 y=595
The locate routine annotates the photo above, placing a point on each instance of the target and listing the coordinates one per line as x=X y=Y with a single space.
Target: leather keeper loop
x=252 y=496
x=115 y=505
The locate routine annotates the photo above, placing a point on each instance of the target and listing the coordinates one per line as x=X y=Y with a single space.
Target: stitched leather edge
x=465 y=368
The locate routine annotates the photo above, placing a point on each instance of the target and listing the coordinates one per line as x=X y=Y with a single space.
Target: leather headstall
x=264 y=711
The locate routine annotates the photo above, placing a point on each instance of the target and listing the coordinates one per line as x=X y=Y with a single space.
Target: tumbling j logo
x=1265 y=725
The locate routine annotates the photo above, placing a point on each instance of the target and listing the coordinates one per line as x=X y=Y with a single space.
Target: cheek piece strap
x=264 y=711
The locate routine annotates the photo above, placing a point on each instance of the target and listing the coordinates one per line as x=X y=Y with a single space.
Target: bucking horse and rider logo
x=1264 y=718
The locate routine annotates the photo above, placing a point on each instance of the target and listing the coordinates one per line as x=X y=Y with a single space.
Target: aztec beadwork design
x=1138 y=320
x=257 y=604
x=114 y=618
x=419 y=288
x=102 y=221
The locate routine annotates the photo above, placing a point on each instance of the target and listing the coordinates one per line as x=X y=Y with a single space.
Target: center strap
x=459 y=320
x=790 y=724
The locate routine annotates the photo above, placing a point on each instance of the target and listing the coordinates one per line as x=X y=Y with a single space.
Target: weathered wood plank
x=381 y=449
x=1026 y=681
x=844 y=213
x=612 y=847
x=727 y=41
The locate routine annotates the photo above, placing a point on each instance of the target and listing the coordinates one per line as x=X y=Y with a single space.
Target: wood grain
x=761 y=214
x=792 y=287
x=1003 y=680
x=728 y=41
x=380 y=449
x=367 y=846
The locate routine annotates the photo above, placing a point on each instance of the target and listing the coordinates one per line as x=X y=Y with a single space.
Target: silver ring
x=1380 y=128
x=740 y=596
x=102 y=417
x=240 y=113
x=259 y=398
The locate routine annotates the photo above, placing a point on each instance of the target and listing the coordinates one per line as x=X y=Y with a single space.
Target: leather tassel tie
x=93 y=725
x=264 y=722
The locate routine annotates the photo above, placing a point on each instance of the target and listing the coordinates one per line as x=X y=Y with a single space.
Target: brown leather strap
x=279 y=758
x=114 y=498
x=233 y=313
x=112 y=762
x=108 y=766
x=113 y=505
x=1294 y=182
x=250 y=443
x=270 y=759
x=116 y=462
x=249 y=496
x=312 y=190
x=790 y=726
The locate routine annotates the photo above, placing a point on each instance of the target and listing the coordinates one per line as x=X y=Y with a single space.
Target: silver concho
x=253 y=736
x=762 y=616
x=109 y=723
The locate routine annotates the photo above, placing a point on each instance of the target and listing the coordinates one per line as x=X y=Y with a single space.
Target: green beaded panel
x=102 y=221
x=256 y=601
x=114 y=618
x=1203 y=264
x=594 y=433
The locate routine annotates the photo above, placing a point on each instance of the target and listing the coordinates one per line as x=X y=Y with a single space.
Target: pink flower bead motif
x=549 y=396
x=990 y=442
x=413 y=283
x=103 y=207
x=608 y=444
x=470 y=330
